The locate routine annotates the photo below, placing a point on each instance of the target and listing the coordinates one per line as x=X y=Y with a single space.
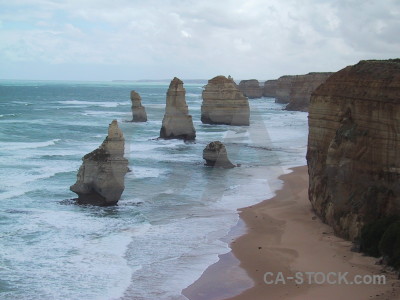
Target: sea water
x=170 y=222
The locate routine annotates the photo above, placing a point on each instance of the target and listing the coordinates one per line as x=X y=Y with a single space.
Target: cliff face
x=279 y=88
x=100 y=179
x=294 y=89
x=223 y=103
x=301 y=88
x=251 y=88
x=138 y=111
x=354 y=146
x=177 y=123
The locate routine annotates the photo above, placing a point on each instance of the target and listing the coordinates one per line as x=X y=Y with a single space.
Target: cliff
x=138 y=111
x=294 y=89
x=100 y=179
x=354 y=146
x=251 y=88
x=177 y=123
x=223 y=103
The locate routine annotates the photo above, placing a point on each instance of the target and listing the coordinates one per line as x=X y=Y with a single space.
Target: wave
x=24 y=145
x=92 y=103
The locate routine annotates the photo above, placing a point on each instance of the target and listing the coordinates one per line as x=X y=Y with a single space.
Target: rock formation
x=100 y=179
x=251 y=88
x=294 y=89
x=138 y=111
x=216 y=156
x=353 y=152
x=177 y=123
x=223 y=103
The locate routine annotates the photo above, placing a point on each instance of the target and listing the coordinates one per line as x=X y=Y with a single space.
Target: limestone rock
x=177 y=123
x=100 y=179
x=216 y=155
x=294 y=89
x=353 y=153
x=223 y=103
x=138 y=111
x=251 y=88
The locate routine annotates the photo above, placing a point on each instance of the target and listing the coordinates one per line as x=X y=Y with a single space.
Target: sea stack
x=251 y=88
x=100 y=179
x=353 y=151
x=223 y=103
x=177 y=123
x=215 y=155
x=138 y=111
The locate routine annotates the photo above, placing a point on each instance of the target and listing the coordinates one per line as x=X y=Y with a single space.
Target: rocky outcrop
x=294 y=89
x=251 y=88
x=279 y=88
x=301 y=89
x=177 y=123
x=223 y=103
x=138 y=111
x=100 y=179
x=215 y=155
x=353 y=152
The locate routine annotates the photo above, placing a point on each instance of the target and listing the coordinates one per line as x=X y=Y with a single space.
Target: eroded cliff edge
x=353 y=152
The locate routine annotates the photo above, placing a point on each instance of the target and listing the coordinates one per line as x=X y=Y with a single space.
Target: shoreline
x=284 y=237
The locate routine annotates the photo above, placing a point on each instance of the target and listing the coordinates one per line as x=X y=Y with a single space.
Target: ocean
x=170 y=223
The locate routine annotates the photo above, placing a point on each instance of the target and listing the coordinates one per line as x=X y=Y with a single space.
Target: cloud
x=254 y=38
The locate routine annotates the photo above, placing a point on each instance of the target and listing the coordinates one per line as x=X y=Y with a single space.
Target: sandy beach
x=284 y=240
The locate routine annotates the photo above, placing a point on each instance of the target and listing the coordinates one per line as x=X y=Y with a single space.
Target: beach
x=284 y=240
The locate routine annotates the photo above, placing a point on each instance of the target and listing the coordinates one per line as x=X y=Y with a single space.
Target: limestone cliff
x=215 y=155
x=301 y=89
x=138 y=111
x=251 y=88
x=294 y=89
x=177 y=123
x=354 y=146
x=100 y=179
x=223 y=103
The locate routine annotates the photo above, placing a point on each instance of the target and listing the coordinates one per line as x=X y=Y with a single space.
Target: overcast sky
x=156 y=39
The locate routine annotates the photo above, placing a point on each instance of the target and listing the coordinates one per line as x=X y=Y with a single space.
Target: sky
x=199 y=39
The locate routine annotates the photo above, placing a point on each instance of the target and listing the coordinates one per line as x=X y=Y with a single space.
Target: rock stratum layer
x=138 y=111
x=295 y=90
x=251 y=88
x=353 y=152
x=177 y=123
x=223 y=103
x=215 y=155
x=100 y=179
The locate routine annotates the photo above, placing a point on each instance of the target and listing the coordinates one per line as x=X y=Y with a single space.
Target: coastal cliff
x=177 y=123
x=223 y=103
x=100 y=179
x=294 y=89
x=251 y=88
x=353 y=152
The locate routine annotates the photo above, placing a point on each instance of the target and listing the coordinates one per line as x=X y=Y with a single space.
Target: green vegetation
x=382 y=238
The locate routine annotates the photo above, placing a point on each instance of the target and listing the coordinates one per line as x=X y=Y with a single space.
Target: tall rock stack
x=251 y=88
x=100 y=179
x=223 y=103
x=138 y=111
x=177 y=123
x=353 y=152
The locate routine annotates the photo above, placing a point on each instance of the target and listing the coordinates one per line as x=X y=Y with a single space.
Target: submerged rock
x=138 y=111
x=177 y=123
x=215 y=155
x=223 y=103
x=100 y=179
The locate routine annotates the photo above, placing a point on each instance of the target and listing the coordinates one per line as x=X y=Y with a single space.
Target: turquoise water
x=173 y=213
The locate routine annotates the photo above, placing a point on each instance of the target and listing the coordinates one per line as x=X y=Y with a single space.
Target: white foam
x=91 y=103
x=10 y=146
